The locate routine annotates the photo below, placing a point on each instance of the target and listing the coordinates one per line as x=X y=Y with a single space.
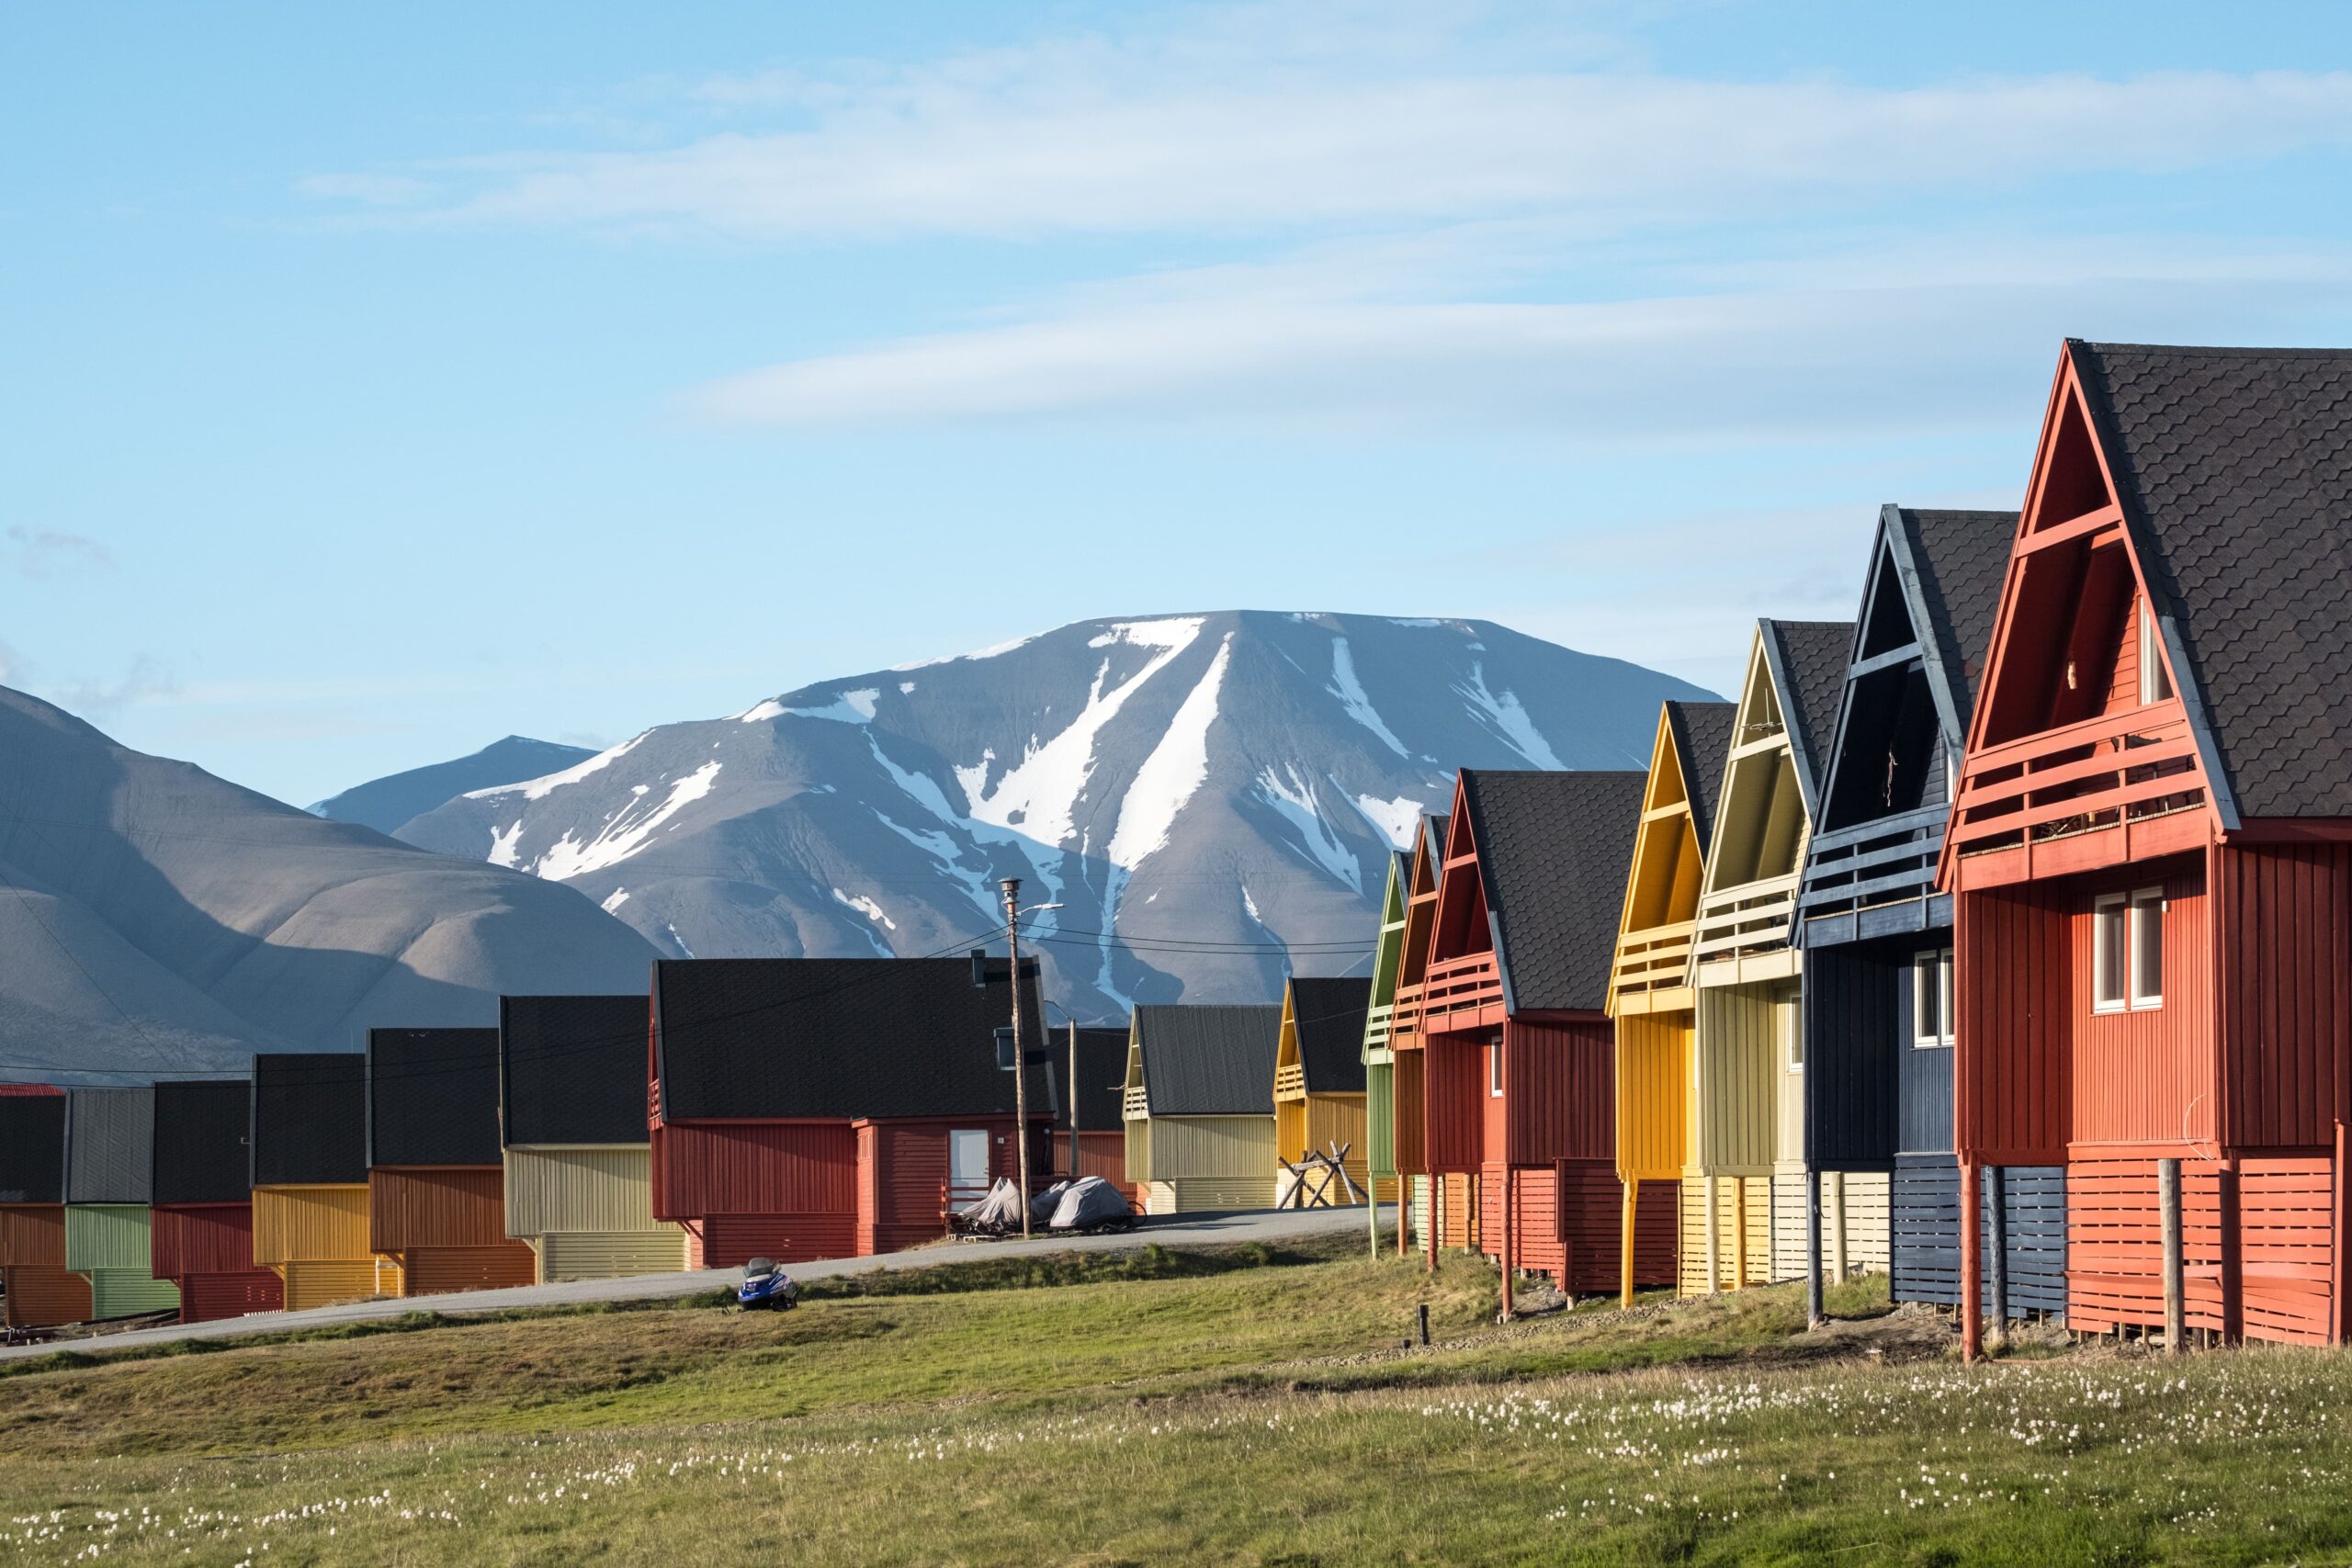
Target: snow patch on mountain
x=1509 y=716
x=1293 y=797
x=1351 y=694
x=619 y=897
x=865 y=905
x=1393 y=819
x=625 y=832
x=541 y=789
x=503 y=851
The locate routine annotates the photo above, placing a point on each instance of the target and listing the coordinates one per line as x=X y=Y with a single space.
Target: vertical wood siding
x=1653 y=1095
x=1925 y=1073
x=1567 y=1223
x=1139 y=1158
x=1854 y=1051
x=1412 y=1151
x=1855 y=1235
x=108 y=1236
x=1454 y=1102
x=600 y=1189
x=1736 y=1198
x=2014 y=989
x=752 y=1168
x=32 y=1235
x=1734 y=1081
x=323 y=1281
x=1560 y=1083
x=1380 y=1119
x=202 y=1238
x=450 y=1206
x=1787 y=1016
x=310 y=1224
x=1339 y=1121
x=2146 y=1077
x=2285 y=912
x=1105 y=1154
x=40 y=1295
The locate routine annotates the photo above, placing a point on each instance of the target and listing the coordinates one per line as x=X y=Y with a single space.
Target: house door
x=967 y=1166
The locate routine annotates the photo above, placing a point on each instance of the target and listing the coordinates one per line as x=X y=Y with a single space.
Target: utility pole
x=1073 y=1100
x=1011 y=886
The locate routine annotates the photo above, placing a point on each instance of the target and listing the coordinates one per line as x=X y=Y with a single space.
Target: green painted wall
x=107 y=1236
x=130 y=1293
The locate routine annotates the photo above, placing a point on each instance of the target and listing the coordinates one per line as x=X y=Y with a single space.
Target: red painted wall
x=202 y=1238
x=415 y=1206
x=754 y=1168
x=1453 y=1101
x=2148 y=1077
x=208 y=1298
x=1560 y=1092
x=2286 y=914
x=2014 y=989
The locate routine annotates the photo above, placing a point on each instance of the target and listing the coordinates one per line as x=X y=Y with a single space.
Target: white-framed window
x=2155 y=686
x=1784 y=1022
x=2128 y=951
x=1495 y=1069
x=1931 y=1000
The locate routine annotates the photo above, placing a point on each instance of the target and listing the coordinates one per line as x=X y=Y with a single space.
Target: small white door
x=967 y=1166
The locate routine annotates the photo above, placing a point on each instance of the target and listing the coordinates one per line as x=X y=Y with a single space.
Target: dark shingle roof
x=2236 y=468
x=1101 y=1077
x=432 y=1097
x=572 y=1069
x=1960 y=558
x=1553 y=847
x=203 y=1148
x=838 y=1037
x=110 y=1146
x=1327 y=1014
x=310 y=1117
x=1808 y=660
x=32 y=1148
x=1701 y=742
x=1209 y=1061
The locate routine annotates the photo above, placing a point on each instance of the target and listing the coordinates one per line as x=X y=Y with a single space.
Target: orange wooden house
x=39 y=1289
x=436 y=1162
x=1518 y=1085
x=2150 y=844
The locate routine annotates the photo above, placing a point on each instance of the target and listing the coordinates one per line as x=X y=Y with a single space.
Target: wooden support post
x=1372 y=1205
x=1739 y=1236
x=1972 y=1272
x=2232 y=1255
x=1625 y=1243
x=2168 y=1217
x=1815 y=1313
x=1714 y=1270
x=1996 y=1206
x=1837 y=1231
x=1510 y=1253
x=2340 y=1318
x=1425 y=1323
x=1432 y=1221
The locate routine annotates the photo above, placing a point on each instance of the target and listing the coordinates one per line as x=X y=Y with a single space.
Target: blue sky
x=379 y=382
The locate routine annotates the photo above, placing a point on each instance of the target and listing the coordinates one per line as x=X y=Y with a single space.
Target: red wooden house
x=2150 y=843
x=202 y=1238
x=1432 y=1215
x=807 y=1108
x=1519 y=1078
x=436 y=1164
x=39 y=1289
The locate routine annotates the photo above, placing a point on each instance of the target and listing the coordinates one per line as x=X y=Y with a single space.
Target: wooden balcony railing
x=1377 y=1024
x=1752 y=917
x=1889 y=861
x=1456 y=985
x=1656 y=959
x=1290 y=1082
x=2078 y=778
x=1405 y=1018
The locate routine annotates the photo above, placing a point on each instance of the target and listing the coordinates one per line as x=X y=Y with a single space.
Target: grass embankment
x=1226 y=1404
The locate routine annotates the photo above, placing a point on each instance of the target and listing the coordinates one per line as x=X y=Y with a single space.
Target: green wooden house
x=109 y=1181
x=1379 y=1061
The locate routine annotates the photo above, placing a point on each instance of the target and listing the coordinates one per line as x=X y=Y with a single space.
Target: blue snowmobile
x=766 y=1285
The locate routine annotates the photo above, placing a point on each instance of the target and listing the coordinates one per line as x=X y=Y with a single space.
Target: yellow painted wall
x=599 y=1188
x=1653 y=1092
x=310 y=1224
x=1322 y=1122
x=324 y=1281
x=1139 y=1149
x=1734 y=1081
x=1191 y=1147
x=1194 y=1194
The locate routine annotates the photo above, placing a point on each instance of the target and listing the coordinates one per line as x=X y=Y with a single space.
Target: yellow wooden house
x=1199 y=1107
x=1319 y=1084
x=1649 y=983
x=310 y=1164
x=1745 y=1190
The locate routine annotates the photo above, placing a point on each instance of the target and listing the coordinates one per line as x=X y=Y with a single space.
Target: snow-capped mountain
x=1208 y=798
x=155 y=920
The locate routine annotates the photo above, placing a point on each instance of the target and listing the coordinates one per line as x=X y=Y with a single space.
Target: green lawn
x=1231 y=1405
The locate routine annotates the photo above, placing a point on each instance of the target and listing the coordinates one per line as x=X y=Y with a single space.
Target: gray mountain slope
x=1219 y=791
x=155 y=919
x=384 y=803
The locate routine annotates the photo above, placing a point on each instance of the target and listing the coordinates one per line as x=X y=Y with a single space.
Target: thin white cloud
x=368 y=190
x=1101 y=136
x=46 y=553
x=1880 y=352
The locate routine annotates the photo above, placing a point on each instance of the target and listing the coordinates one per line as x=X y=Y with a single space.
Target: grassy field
x=1237 y=1405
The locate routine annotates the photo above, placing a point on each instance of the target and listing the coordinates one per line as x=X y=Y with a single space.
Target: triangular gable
x=1461 y=928
x=1761 y=824
x=1669 y=849
x=2063 y=682
x=1903 y=719
x=1387 y=951
x=1420 y=899
x=1135 y=1095
x=1322 y=1023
